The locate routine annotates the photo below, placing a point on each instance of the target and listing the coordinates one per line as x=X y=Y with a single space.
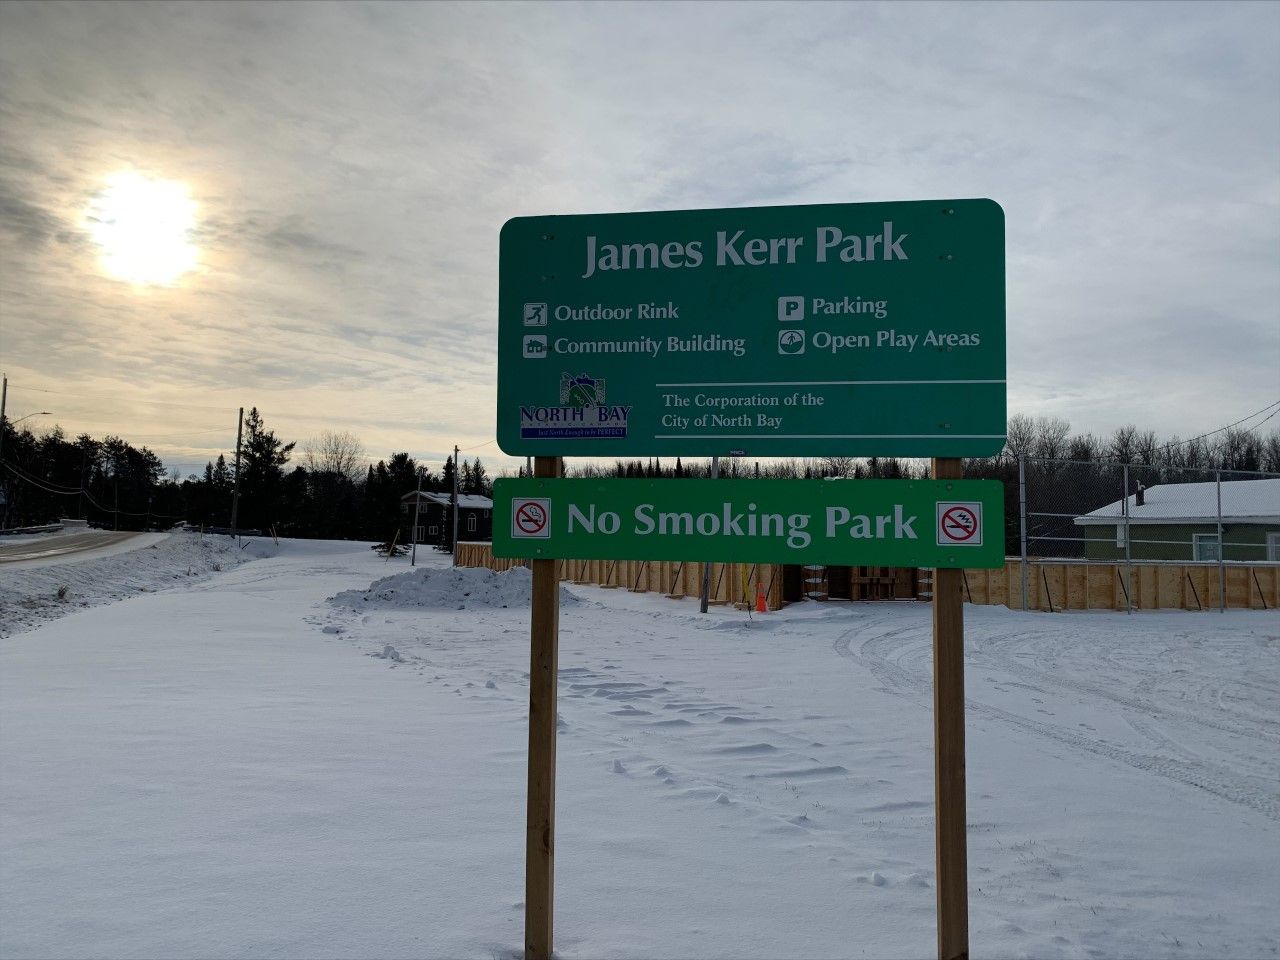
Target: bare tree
x=1051 y=435
x=1147 y=446
x=1271 y=452
x=1123 y=445
x=1240 y=449
x=1084 y=447
x=837 y=466
x=1020 y=435
x=340 y=453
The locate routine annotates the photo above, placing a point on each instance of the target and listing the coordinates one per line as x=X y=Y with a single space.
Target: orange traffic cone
x=761 y=605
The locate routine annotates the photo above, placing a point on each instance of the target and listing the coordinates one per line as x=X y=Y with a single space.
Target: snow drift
x=457 y=588
x=32 y=594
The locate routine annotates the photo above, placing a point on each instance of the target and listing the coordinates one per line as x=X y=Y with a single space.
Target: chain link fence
x=1140 y=514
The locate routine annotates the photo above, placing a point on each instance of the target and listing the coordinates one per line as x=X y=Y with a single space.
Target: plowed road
x=59 y=546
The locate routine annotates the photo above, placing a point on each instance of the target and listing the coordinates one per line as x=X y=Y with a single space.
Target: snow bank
x=456 y=588
x=31 y=595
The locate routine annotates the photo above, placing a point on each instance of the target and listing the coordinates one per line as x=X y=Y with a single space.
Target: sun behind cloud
x=143 y=226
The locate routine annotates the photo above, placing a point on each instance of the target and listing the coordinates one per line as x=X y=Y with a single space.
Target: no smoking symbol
x=531 y=519
x=960 y=524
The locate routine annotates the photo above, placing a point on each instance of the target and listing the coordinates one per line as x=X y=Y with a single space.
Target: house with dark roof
x=434 y=526
x=1179 y=521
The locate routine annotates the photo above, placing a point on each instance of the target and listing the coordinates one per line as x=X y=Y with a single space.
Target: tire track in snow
x=883 y=654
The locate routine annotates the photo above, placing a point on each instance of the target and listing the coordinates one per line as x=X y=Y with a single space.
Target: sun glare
x=143 y=227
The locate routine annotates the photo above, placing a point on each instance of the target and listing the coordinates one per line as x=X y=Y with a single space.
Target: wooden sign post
x=948 y=749
x=540 y=838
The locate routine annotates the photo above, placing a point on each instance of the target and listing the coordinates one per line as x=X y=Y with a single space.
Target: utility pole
x=235 y=487
x=4 y=399
x=4 y=482
x=455 y=505
x=417 y=506
x=84 y=469
x=1222 y=552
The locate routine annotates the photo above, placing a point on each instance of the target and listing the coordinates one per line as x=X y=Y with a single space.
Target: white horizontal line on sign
x=819 y=383
x=829 y=436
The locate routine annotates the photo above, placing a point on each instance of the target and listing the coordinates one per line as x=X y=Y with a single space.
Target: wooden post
x=544 y=644
x=948 y=749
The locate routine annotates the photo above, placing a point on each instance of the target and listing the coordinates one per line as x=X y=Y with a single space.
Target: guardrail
x=47 y=528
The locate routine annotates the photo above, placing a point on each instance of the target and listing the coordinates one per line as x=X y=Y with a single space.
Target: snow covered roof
x=1243 y=501
x=470 y=501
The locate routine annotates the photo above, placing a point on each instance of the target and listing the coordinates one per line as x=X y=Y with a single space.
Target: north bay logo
x=581 y=414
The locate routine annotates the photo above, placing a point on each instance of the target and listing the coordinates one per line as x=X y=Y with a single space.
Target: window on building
x=418 y=534
x=471 y=523
x=1273 y=546
x=433 y=531
x=1205 y=546
x=1120 y=534
x=404 y=508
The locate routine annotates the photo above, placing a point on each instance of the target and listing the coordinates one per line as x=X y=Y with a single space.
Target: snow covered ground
x=34 y=591
x=287 y=759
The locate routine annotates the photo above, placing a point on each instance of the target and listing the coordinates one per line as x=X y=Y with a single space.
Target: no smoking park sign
x=850 y=523
x=873 y=329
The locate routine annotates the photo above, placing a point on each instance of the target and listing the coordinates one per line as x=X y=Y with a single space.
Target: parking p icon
x=790 y=309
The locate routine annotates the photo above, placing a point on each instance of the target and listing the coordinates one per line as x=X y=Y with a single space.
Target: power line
x=1179 y=443
x=67 y=492
x=31 y=478
x=120 y=400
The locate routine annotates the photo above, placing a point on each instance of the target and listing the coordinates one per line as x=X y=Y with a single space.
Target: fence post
x=1128 y=557
x=705 y=596
x=1222 y=550
x=1022 y=521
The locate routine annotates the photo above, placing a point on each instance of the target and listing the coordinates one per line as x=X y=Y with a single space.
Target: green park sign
x=904 y=523
x=835 y=329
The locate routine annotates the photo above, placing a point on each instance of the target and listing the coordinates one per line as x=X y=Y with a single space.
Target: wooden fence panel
x=1070 y=586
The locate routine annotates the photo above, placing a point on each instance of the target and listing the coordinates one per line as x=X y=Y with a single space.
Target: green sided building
x=1179 y=521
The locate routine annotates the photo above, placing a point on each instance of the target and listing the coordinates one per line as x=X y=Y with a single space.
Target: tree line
x=1037 y=438
x=325 y=487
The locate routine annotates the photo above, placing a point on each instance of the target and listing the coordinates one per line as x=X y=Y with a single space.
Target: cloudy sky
x=351 y=166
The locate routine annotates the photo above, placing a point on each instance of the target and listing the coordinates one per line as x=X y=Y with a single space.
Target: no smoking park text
x=839 y=521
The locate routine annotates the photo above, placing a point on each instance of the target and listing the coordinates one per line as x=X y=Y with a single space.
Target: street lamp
x=4 y=514
x=38 y=413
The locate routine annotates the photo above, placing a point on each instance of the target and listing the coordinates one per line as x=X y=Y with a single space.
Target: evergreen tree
x=262 y=460
x=478 y=483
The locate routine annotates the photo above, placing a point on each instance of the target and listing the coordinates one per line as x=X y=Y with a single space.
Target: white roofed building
x=1179 y=521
